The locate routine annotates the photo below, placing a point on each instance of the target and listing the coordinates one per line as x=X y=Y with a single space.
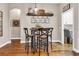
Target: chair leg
x=47 y=47
x=39 y=47
x=31 y=43
x=25 y=46
x=44 y=48
x=51 y=46
x=51 y=43
x=28 y=47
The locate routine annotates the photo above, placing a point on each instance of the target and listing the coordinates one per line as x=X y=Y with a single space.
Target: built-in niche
x=15 y=23
x=1 y=23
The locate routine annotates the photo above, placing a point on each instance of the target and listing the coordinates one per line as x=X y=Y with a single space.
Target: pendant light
x=35 y=9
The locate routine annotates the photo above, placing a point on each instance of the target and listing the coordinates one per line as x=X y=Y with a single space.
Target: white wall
x=68 y=16
x=5 y=37
x=76 y=42
x=76 y=28
x=26 y=20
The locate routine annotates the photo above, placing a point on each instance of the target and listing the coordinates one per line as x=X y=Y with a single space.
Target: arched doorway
x=15 y=23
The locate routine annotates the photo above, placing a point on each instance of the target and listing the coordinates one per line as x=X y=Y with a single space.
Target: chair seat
x=43 y=36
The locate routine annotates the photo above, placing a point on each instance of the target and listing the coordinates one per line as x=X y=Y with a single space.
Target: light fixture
x=38 y=12
x=35 y=9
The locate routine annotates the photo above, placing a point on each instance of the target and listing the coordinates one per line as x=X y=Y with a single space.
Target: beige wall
x=5 y=37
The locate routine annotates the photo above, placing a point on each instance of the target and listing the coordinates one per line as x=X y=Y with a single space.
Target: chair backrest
x=44 y=31
x=34 y=31
x=26 y=32
x=50 y=31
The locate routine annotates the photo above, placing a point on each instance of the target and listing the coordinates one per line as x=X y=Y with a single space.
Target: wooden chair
x=35 y=42
x=27 y=37
x=44 y=39
x=50 y=36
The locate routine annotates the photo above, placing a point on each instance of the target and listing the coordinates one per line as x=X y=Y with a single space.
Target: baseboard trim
x=52 y=41
x=57 y=41
x=75 y=50
x=24 y=41
x=5 y=43
x=16 y=38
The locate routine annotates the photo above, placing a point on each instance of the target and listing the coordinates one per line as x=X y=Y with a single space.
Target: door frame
x=62 y=29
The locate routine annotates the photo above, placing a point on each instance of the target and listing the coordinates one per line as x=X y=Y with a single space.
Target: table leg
x=32 y=44
x=39 y=47
x=51 y=42
x=47 y=47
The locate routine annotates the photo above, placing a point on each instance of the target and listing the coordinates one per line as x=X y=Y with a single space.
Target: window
x=1 y=23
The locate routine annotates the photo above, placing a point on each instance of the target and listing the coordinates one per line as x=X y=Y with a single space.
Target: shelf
x=46 y=14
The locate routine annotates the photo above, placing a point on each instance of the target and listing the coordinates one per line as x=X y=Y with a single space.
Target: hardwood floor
x=18 y=50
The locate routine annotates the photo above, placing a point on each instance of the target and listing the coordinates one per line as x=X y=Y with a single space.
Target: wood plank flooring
x=19 y=50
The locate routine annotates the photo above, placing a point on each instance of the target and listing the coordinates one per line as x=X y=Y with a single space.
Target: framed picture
x=67 y=7
x=16 y=23
x=40 y=20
